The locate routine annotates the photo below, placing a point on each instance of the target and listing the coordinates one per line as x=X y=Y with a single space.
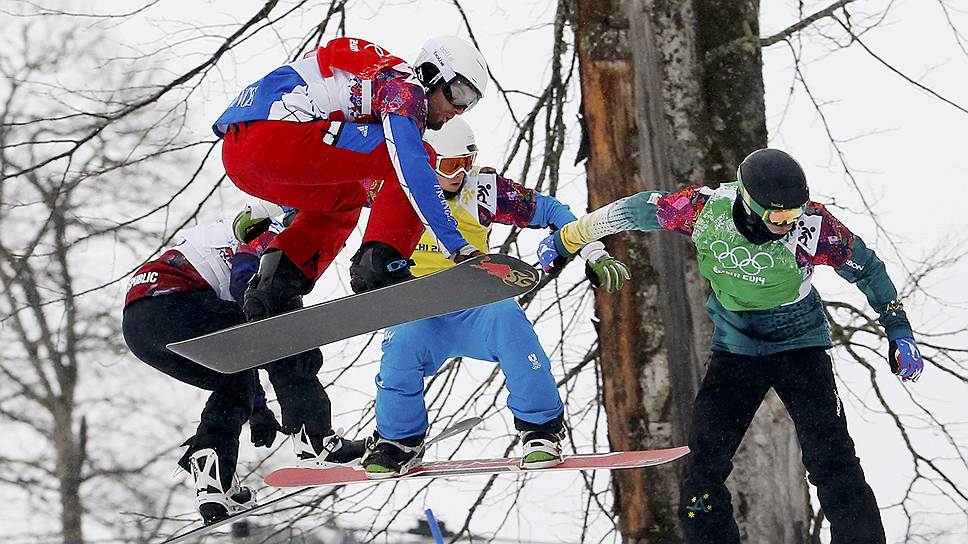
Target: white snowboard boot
x=332 y=451
x=214 y=502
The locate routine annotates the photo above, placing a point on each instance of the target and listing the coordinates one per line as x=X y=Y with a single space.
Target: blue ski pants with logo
x=498 y=332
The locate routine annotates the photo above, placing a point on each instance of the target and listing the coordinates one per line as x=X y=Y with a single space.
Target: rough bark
x=634 y=360
x=656 y=117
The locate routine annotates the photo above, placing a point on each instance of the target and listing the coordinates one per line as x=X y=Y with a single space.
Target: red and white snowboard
x=300 y=477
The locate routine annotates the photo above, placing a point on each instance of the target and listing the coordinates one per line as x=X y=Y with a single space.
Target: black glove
x=263 y=427
x=277 y=287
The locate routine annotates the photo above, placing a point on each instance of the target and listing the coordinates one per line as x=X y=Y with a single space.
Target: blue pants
x=498 y=332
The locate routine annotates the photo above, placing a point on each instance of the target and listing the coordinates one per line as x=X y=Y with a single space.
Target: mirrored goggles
x=780 y=218
x=461 y=92
x=449 y=167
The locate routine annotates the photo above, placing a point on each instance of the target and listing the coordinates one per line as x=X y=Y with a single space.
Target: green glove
x=603 y=269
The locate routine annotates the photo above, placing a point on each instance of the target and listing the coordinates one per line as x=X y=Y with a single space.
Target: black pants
x=151 y=323
x=731 y=391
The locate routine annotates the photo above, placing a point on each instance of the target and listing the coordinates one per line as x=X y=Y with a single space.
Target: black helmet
x=773 y=179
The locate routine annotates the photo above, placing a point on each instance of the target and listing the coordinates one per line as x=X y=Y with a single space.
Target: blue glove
x=548 y=255
x=905 y=359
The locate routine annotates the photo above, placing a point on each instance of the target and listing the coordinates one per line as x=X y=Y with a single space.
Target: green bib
x=745 y=276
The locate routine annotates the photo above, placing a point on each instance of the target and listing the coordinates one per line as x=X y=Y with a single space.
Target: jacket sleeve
x=245 y=262
x=259 y=402
x=418 y=180
x=551 y=212
x=845 y=252
x=524 y=207
x=636 y=212
x=244 y=266
x=865 y=270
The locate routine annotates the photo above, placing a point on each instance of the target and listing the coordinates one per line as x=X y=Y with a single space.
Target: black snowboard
x=475 y=282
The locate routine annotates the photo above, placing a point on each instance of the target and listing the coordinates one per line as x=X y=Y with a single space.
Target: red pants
x=288 y=163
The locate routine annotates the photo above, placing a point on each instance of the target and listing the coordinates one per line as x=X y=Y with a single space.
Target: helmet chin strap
x=750 y=226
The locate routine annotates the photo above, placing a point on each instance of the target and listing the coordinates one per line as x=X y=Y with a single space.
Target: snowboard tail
x=475 y=282
x=299 y=477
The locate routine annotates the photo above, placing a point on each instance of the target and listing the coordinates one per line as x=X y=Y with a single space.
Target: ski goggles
x=780 y=218
x=449 y=167
x=461 y=92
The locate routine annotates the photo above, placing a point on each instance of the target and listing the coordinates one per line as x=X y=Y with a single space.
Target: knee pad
x=377 y=265
x=228 y=407
x=706 y=515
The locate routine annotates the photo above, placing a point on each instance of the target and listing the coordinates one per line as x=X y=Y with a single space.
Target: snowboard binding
x=212 y=500
x=331 y=450
x=387 y=458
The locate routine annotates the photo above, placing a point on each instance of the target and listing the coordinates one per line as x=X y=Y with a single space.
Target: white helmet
x=454 y=146
x=457 y=65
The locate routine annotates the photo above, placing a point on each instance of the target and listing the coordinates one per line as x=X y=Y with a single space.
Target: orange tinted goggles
x=780 y=218
x=783 y=217
x=449 y=167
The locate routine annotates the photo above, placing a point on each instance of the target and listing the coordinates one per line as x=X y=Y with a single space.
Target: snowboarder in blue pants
x=498 y=332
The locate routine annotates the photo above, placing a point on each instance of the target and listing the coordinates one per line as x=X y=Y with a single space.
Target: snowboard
x=299 y=477
x=455 y=429
x=474 y=282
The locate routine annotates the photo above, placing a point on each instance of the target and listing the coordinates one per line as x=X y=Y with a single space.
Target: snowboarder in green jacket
x=757 y=241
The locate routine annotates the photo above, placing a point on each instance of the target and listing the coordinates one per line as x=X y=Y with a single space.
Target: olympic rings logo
x=741 y=258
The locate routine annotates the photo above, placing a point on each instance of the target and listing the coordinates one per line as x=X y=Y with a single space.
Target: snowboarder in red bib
x=758 y=240
x=195 y=288
x=303 y=136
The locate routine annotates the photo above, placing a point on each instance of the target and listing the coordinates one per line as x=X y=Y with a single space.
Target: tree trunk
x=635 y=361
x=657 y=118
x=69 y=460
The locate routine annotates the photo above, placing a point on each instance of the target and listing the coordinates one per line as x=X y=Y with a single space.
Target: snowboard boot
x=212 y=500
x=387 y=458
x=541 y=448
x=276 y=288
x=327 y=451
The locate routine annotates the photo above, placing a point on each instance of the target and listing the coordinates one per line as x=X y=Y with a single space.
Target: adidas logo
x=363 y=130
